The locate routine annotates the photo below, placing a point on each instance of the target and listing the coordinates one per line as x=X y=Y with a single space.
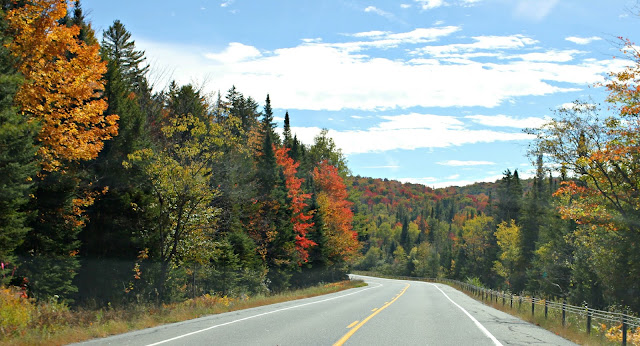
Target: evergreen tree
x=509 y=197
x=108 y=251
x=17 y=162
x=286 y=133
x=118 y=48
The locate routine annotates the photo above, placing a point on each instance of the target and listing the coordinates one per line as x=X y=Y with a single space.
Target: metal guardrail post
x=564 y=311
x=503 y=298
x=624 y=331
x=546 y=308
x=588 y=320
x=533 y=306
x=511 y=304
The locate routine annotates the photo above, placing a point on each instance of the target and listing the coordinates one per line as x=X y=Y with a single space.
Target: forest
x=112 y=192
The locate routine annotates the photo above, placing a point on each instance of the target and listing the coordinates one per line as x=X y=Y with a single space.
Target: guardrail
x=590 y=315
x=562 y=310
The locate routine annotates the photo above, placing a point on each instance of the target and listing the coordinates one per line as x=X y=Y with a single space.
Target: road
x=386 y=312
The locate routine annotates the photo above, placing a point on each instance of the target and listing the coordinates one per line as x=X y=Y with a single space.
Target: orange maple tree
x=64 y=86
x=336 y=212
x=299 y=219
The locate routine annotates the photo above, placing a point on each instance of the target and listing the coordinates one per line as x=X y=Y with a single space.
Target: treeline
x=572 y=232
x=113 y=193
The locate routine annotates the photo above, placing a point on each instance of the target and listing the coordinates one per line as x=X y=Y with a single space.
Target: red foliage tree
x=299 y=218
x=336 y=213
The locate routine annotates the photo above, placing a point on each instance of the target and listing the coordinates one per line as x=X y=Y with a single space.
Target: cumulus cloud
x=583 y=40
x=235 y=52
x=319 y=75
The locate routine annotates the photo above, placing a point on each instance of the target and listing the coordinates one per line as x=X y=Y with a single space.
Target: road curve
x=386 y=312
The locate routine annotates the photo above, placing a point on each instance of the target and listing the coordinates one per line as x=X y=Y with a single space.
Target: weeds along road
x=386 y=312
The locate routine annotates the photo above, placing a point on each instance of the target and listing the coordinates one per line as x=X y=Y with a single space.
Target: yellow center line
x=374 y=309
x=352 y=324
x=352 y=331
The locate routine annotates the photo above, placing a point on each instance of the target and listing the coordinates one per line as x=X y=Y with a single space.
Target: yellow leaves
x=64 y=87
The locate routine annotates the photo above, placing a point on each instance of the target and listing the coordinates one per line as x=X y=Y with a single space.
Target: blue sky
x=427 y=91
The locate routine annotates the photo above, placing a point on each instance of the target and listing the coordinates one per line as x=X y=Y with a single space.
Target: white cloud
x=317 y=75
x=549 y=56
x=408 y=132
x=235 y=52
x=490 y=43
x=583 y=40
x=507 y=121
x=405 y=6
x=227 y=3
x=535 y=9
x=457 y=163
x=374 y=33
x=577 y=106
x=379 y=12
x=452 y=177
x=430 y=4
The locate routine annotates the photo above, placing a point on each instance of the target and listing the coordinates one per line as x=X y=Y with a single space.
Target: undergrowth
x=25 y=322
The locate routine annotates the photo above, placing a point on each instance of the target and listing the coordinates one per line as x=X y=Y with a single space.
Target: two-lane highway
x=386 y=312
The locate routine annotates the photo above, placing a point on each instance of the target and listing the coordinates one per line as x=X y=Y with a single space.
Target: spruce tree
x=17 y=163
x=286 y=133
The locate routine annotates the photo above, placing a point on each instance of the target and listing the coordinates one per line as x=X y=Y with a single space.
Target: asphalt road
x=386 y=312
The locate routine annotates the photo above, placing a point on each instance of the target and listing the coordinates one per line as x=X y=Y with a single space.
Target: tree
x=64 y=87
x=299 y=218
x=63 y=94
x=325 y=149
x=335 y=209
x=602 y=154
x=179 y=171
x=118 y=47
x=509 y=197
x=17 y=162
x=107 y=251
x=478 y=238
x=286 y=133
x=508 y=237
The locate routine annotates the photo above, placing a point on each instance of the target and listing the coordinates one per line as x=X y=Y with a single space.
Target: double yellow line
x=352 y=331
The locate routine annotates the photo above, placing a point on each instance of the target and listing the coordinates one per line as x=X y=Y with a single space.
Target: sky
x=435 y=92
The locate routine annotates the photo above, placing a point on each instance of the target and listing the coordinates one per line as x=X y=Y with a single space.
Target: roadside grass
x=575 y=328
x=25 y=323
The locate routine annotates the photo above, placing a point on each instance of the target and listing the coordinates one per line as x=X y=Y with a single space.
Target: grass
x=55 y=324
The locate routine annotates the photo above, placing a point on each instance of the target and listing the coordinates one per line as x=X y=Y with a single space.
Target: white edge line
x=259 y=315
x=478 y=324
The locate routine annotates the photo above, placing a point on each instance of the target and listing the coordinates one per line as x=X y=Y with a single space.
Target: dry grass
x=55 y=324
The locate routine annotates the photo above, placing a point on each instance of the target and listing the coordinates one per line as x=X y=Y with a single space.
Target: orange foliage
x=64 y=84
x=336 y=212
x=299 y=218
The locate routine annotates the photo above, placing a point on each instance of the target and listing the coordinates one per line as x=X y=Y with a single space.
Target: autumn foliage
x=64 y=84
x=299 y=218
x=336 y=212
